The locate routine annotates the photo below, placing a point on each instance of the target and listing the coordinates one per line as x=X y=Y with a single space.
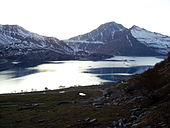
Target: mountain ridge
x=155 y=43
x=108 y=39
x=102 y=31
x=18 y=43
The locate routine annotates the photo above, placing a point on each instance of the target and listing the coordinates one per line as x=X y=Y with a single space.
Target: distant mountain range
x=114 y=39
x=20 y=44
x=108 y=39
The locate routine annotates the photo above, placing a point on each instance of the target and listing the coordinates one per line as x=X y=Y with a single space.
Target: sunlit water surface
x=57 y=74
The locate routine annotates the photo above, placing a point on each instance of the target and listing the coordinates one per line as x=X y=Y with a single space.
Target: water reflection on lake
x=54 y=74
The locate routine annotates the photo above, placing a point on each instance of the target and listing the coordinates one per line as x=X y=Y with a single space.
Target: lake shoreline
x=85 y=106
x=26 y=77
x=45 y=91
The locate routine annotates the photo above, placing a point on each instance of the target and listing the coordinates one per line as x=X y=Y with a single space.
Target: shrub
x=169 y=54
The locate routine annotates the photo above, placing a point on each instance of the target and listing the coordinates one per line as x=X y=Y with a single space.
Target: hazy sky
x=66 y=18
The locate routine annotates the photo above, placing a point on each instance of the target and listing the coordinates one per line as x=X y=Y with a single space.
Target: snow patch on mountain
x=83 y=41
x=15 y=29
x=127 y=37
x=15 y=40
x=151 y=39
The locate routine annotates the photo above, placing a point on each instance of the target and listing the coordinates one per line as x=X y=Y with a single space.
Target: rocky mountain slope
x=151 y=91
x=103 y=33
x=158 y=42
x=18 y=43
x=114 y=39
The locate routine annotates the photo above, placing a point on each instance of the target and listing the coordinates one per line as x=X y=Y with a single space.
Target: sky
x=67 y=18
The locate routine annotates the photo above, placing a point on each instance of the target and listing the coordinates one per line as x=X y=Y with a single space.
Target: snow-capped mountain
x=108 y=39
x=156 y=41
x=114 y=39
x=103 y=33
x=94 y=40
x=18 y=43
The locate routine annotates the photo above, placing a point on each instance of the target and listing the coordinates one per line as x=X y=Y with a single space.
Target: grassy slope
x=52 y=115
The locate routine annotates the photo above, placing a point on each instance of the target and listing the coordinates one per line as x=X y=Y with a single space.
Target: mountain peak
x=115 y=36
x=12 y=28
x=103 y=33
x=135 y=27
x=17 y=41
x=152 y=39
x=113 y=25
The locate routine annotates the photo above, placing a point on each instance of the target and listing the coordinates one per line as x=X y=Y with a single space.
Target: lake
x=62 y=74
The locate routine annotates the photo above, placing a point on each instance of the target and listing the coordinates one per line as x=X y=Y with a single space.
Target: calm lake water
x=58 y=74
